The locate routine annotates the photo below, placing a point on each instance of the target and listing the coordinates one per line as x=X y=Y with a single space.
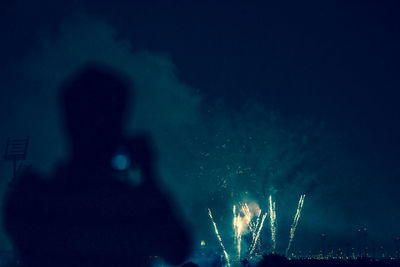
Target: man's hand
x=142 y=154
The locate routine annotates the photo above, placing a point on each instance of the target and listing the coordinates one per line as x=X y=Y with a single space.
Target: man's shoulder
x=26 y=182
x=23 y=199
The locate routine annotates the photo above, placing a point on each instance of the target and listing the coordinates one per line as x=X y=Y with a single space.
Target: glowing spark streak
x=247 y=213
x=237 y=228
x=258 y=233
x=219 y=237
x=295 y=222
x=272 y=217
x=255 y=228
x=257 y=222
x=234 y=221
x=240 y=224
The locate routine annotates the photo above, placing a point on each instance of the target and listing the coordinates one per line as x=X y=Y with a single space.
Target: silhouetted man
x=89 y=214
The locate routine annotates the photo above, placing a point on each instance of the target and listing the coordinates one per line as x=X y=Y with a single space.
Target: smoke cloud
x=211 y=156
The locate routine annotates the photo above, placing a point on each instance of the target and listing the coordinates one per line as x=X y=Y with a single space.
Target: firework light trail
x=255 y=227
x=219 y=237
x=258 y=234
x=237 y=227
x=234 y=221
x=272 y=217
x=257 y=224
x=239 y=238
x=240 y=224
x=247 y=216
x=295 y=221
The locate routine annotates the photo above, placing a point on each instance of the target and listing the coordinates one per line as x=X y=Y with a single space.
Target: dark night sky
x=333 y=62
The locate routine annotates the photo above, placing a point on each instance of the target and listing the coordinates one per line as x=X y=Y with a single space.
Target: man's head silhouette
x=94 y=102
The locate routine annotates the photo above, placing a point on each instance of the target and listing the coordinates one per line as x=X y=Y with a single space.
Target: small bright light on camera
x=120 y=162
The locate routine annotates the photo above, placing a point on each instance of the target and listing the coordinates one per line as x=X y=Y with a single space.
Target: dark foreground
x=276 y=260
x=6 y=260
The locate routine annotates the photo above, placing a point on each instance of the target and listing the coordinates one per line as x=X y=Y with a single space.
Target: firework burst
x=219 y=237
x=295 y=222
x=257 y=236
x=272 y=217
